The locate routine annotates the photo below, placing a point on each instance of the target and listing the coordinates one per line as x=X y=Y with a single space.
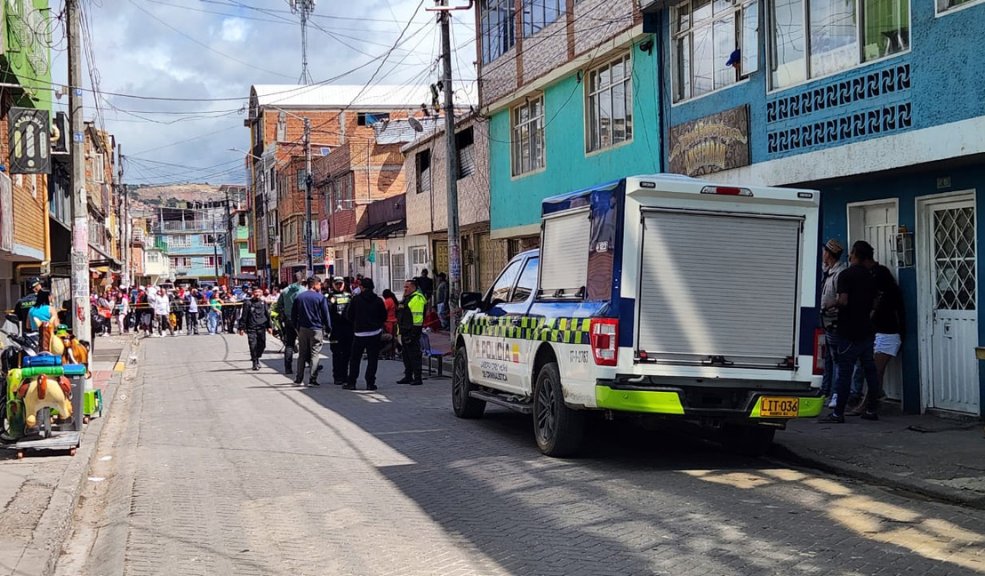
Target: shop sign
x=711 y=144
x=30 y=151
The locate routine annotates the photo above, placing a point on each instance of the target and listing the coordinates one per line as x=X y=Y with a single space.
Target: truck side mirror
x=470 y=301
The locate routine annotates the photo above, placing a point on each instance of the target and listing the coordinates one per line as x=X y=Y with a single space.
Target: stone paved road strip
x=227 y=471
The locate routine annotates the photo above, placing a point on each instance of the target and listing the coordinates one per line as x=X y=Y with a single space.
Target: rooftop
x=339 y=96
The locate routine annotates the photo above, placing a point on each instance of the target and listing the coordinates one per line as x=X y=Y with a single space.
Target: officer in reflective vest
x=410 y=319
x=341 y=343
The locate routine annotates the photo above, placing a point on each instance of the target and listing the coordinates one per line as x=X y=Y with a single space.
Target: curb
x=41 y=555
x=926 y=490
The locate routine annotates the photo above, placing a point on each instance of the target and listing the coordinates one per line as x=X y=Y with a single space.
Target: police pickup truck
x=658 y=295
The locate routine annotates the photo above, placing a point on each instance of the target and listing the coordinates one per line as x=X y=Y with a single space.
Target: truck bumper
x=702 y=403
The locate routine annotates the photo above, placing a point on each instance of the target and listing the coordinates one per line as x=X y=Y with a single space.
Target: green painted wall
x=516 y=201
x=26 y=51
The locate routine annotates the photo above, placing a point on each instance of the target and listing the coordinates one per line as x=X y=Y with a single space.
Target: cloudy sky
x=192 y=62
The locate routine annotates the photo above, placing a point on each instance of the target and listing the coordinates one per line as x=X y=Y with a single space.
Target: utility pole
x=451 y=167
x=228 y=263
x=309 y=236
x=215 y=247
x=81 y=319
x=124 y=218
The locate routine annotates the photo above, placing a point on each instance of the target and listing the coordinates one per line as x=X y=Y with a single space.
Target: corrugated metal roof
x=400 y=131
x=340 y=96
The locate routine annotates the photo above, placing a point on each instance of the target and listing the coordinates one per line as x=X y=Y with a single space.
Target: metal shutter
x=564 y=265
x=719 y=285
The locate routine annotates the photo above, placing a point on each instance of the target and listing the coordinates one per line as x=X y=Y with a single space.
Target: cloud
x=175 y=50
x=234 y=30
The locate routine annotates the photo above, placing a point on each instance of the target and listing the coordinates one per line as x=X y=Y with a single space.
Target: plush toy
x=71 y=350
x=43 y=392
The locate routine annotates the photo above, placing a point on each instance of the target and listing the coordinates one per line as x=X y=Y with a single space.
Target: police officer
x=256 y=324
x=24 y=305
x=341 y=344
x=410 y=319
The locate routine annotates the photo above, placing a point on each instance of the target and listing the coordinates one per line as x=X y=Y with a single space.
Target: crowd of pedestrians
x=156 y=310
x=863 y=319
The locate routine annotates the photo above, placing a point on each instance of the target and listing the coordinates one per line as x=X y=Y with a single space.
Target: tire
x=749 y=440
x=464 y=405
x=559 y=430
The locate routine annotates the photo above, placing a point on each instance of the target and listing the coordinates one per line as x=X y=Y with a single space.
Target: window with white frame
x=97 y=167
x=610 y=104
x=528 y=136
x=418 y=256
x=945 y=5
x=537 y=14
x=496 y=21
x=178 y=241
x=815 y=38
x=715 y=44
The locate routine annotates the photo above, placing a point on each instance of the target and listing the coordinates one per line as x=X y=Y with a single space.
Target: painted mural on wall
x=711 y=144
x=836 y=112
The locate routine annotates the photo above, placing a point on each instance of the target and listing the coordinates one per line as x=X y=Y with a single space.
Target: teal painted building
x=568 y=164
x=570 y=102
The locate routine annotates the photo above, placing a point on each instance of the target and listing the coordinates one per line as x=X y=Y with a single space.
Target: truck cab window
x=501 y=289
x=528 y=281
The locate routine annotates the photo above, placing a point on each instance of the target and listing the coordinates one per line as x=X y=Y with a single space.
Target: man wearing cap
x=309 y=315
x=24 y=305
x=283 y=309
x=410 y=319
x=341 y=344
x=832 y=266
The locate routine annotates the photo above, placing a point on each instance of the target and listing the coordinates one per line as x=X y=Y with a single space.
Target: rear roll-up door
x=719 y=287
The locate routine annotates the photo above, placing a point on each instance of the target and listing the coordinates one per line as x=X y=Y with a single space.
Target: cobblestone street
x=216 y=469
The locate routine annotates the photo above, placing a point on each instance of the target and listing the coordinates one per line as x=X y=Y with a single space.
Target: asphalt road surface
x=207 y=467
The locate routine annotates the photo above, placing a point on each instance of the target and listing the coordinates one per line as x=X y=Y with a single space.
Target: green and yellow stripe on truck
x=539 y=328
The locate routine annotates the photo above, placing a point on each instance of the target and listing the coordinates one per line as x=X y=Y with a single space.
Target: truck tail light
x=726 y=191
x=605 y=340
x=820 y=351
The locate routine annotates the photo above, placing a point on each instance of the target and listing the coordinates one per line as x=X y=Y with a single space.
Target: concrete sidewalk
x=39 y=494
x=932 y=456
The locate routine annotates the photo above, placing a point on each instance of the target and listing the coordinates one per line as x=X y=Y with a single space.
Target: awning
x=382 y=230
x=371 y=231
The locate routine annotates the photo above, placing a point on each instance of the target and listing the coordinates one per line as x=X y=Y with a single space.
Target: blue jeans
x=213 y=322
x=858 y=380
x=847 y=354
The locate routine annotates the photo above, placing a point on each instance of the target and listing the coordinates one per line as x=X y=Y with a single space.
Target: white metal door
x=876 y=223
x=954 y=369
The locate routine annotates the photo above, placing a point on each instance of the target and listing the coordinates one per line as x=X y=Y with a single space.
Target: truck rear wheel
x=464 y=405
x=749 y=440
x=558 y=429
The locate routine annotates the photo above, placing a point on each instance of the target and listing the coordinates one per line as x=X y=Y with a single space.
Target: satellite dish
x=415 y=124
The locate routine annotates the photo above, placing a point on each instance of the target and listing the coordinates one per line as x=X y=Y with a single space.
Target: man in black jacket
x=367 y=314
x=256 y=324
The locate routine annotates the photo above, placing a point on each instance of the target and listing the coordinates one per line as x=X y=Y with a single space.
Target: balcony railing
x=185 y=226
x=137 y=237
x=242 y=233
